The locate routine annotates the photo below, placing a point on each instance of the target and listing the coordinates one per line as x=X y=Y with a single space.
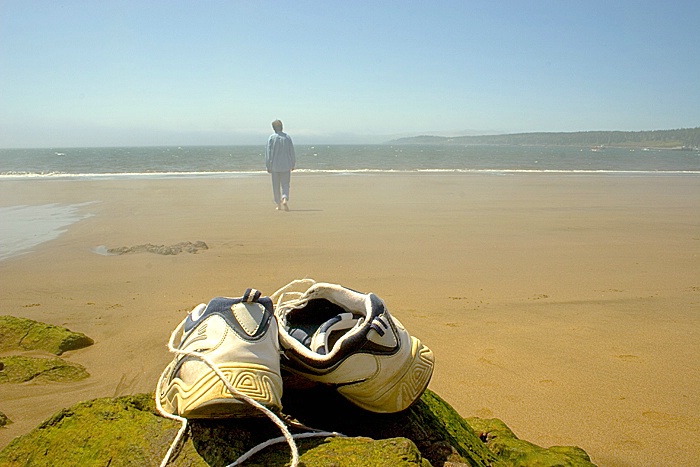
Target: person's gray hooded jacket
x=279 y=154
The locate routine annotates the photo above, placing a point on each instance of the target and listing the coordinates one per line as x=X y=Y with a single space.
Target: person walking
x=280 y=160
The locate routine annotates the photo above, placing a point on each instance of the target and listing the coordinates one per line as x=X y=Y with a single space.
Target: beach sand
x=567 y=306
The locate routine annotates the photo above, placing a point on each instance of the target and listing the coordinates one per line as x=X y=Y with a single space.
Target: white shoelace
x=287 y=435
x=287 y=297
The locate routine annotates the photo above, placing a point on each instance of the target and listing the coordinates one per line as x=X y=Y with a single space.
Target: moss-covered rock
x=354 y=452
x=438 y=431
x=19 y=369
x=26 y=334
x=518 y=453
x=344 y=452
x=115 y=432
x=127 y=431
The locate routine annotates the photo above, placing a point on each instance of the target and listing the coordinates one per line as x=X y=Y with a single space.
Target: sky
x=202 y=72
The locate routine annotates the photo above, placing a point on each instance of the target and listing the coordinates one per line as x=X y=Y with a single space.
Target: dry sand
x=567 y=306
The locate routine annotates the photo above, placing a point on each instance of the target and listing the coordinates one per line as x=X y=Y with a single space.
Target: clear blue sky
x=181 y=72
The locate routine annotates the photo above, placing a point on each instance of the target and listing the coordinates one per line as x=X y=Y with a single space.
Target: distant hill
x=688 y=138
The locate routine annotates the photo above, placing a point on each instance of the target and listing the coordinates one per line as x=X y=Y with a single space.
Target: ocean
x=155 y=162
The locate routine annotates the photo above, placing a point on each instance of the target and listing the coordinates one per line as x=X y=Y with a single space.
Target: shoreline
x=340 y=172
x=567 y=306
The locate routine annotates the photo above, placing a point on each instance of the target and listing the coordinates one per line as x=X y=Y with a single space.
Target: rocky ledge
x=127 y=431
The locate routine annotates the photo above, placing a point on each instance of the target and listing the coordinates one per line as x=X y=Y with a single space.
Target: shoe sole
x=404 y=389
x=208 y=397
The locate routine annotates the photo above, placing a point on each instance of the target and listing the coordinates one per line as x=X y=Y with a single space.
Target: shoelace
x=287 y=435
x=286 y=297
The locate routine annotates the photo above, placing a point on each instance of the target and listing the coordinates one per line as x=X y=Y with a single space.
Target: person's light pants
x=280 y=185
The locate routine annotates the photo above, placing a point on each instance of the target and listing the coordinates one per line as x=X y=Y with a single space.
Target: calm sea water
x=232 y=160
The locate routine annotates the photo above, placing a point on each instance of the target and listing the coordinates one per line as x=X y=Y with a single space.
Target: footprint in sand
x=485 y=361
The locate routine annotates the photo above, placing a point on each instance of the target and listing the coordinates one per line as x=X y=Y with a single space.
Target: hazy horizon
x=261 y=139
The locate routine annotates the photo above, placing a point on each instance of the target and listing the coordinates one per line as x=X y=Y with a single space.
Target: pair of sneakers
x=232 y=350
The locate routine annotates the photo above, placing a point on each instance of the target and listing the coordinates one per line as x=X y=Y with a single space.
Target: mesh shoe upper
x=348 y=339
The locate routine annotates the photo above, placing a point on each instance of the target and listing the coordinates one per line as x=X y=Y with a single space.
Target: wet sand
x=567 y=306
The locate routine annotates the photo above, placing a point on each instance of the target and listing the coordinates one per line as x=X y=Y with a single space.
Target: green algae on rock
x=26 y=334
x=127 y=431
x=343 y=452
x=19 y=369
x=438 y=431
x=354 y=452
x=116 y=432
x=518 y=453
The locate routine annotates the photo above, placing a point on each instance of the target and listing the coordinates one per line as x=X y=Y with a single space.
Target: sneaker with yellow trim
x=337 y=336
x=239 y=337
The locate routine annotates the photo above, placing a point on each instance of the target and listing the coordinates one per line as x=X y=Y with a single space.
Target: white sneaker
x=239 y=337
x=348 y=339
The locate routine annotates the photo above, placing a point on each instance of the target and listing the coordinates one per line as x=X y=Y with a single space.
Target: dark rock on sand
x=21 y=334
x=176 y=249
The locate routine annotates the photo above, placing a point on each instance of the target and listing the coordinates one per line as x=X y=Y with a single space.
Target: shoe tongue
x=198 y=311
x=249 y=316
x=323 y=340
x=381 y=332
